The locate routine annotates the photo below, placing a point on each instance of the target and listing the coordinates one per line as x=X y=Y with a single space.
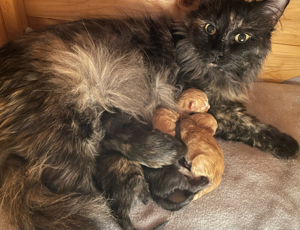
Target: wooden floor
x=15 y=15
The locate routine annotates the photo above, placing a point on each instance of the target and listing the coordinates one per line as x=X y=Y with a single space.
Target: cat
x=72 y=92
x=232 y=52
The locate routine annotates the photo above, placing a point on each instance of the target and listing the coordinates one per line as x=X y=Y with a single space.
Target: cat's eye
x=210 y=29
x=241 y=38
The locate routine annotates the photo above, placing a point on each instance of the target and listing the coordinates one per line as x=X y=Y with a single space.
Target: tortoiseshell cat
x=74 y=91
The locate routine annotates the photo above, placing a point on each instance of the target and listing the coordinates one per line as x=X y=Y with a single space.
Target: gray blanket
x=258 y=191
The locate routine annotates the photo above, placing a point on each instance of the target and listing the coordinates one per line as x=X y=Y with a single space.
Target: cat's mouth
x=213 y=64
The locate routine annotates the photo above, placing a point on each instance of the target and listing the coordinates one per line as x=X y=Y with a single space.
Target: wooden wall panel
x=3 y=34
x=14 y=17
x=289 y=32
x=284 y=61
x=37 y=23
x=73 y=9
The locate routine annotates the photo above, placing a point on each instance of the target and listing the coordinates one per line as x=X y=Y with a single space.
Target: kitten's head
x=229 y=40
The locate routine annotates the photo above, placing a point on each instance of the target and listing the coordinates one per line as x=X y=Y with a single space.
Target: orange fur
x=165 y=120
x=204 y=154
x=193 y=100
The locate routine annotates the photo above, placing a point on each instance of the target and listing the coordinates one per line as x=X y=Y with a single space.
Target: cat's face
x=231 y=38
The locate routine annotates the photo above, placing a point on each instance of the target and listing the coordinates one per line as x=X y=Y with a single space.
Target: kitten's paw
x=159 y=149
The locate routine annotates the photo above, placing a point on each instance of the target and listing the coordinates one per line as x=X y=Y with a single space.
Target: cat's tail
x=28 y=204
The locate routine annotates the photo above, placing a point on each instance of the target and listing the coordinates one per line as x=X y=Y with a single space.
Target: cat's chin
x=214 y=66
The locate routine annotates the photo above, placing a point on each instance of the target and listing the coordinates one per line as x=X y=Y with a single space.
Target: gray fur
x=67 y=90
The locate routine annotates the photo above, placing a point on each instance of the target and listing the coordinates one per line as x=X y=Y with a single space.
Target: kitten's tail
x=28 y=204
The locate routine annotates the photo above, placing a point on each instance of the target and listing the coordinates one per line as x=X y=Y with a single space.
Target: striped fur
x=71 y=92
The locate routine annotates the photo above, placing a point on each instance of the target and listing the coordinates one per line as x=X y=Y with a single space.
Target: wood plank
x=289 y=30
x=3 y=34
x=14 y=17
x=74 y=9
x=38 y=23
x=283 y=63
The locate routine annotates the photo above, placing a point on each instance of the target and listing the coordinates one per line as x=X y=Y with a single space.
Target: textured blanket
x=258 y=191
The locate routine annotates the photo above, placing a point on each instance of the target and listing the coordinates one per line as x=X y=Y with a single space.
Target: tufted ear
x=275 y=9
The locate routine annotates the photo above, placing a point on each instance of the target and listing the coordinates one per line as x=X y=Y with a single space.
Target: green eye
x=210 y=29
x=241 y=38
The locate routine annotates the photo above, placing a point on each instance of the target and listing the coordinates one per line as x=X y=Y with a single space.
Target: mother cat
x=73 y=90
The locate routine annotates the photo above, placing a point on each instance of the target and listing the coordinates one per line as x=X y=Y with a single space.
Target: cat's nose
x=216 y=54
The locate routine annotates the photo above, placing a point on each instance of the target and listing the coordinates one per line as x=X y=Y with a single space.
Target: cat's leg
x=140 y=143
x=123 y=182
x=234 y=123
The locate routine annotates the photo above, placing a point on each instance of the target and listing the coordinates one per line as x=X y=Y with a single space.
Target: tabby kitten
x=72 y=92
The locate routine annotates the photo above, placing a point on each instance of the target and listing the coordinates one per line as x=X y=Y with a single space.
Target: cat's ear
x=275 y=9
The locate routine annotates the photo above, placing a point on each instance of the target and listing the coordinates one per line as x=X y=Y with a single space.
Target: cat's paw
x=158 y=149
x=279 y=144
x=144 y=192
x=286 y=147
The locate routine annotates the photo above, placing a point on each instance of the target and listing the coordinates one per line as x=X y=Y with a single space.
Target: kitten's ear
x=275 y=9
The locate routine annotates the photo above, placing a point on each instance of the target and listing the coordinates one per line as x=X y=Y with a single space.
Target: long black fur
x=171 y=189
x=72 y=92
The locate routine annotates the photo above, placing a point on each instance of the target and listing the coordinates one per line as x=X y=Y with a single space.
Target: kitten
x=204 y=157
x=122 y=181
x=72 y=90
